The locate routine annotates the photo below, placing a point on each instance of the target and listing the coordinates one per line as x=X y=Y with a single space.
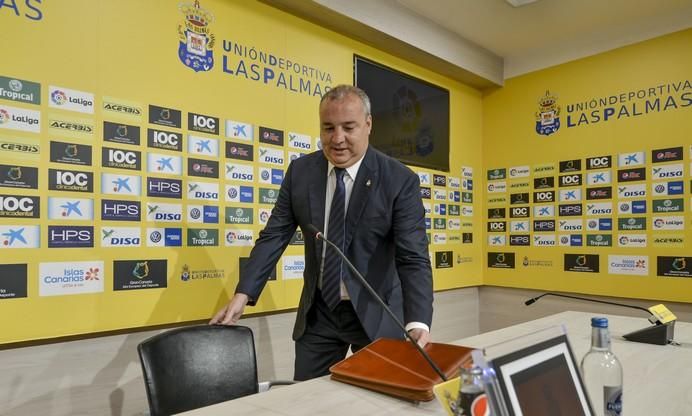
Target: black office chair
x=196 y=366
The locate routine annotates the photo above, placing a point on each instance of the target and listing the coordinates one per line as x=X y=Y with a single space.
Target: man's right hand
x=231 y=313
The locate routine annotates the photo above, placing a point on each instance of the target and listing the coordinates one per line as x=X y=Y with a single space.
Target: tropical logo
x=548 y=115
x=196 y=44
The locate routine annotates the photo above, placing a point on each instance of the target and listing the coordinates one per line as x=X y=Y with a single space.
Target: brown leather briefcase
x=397 y=368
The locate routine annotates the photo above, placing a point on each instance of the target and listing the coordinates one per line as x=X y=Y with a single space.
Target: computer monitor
x=537 y=378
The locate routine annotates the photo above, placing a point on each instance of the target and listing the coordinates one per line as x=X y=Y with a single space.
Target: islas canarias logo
x=548 y=115
x=196 y=45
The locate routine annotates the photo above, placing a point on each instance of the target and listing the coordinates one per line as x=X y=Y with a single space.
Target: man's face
x=344 y=130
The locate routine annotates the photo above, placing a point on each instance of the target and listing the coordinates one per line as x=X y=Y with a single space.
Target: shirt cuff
x=414 y=325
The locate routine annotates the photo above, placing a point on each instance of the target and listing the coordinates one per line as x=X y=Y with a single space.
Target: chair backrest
x=191 y=367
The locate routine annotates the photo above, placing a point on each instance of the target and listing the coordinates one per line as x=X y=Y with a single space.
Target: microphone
x=319 y=236
x=660 y=334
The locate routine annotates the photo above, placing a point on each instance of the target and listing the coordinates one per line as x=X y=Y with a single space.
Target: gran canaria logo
x=196 y=41
x=548 y=115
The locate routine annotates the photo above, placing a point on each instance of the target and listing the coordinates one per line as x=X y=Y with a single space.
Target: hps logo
x=196 y=42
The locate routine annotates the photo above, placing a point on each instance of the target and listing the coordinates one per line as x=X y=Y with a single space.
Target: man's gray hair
x=341 y=91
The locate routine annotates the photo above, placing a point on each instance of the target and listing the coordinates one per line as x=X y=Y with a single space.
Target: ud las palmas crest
x=548 y=115
x=196 y=41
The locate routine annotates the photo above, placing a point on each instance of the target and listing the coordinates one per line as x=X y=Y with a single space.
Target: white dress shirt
x=349 y=179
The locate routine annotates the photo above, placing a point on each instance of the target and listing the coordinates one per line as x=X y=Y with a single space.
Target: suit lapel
x=316 y=196
x=366 y=180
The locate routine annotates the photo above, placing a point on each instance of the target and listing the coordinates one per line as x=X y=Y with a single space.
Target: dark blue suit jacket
x=385 y=241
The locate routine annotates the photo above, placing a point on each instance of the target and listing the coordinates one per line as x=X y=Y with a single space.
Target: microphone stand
x=319 y=236
x=659 y=334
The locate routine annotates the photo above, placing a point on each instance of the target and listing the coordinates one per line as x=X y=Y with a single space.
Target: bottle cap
x=599 y=322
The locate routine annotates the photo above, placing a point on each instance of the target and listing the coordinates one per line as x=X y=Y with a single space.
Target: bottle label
x=612 y=400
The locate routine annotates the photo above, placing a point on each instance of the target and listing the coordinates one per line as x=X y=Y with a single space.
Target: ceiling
x=484 y=42
x=550 y=32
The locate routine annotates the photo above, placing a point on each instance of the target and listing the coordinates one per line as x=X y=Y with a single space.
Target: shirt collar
x=351 y=170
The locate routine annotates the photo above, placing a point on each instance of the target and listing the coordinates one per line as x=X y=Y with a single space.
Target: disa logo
x=196 y=40
x=547 y=116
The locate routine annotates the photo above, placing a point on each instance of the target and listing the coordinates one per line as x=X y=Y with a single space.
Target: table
x=657 y=379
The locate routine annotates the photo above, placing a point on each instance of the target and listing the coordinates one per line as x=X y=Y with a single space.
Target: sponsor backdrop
x=587 y=175
x=138 y=166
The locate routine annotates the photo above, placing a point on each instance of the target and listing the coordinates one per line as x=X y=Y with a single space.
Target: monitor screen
x=542 y=380
x=410 y=116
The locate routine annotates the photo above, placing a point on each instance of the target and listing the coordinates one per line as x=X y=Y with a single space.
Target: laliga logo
x=58 y=97
x=581 y=260
x=547 y=116
x=4 y=116
x=196 y=41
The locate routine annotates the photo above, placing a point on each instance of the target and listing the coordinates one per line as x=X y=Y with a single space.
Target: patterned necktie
x=333 y=264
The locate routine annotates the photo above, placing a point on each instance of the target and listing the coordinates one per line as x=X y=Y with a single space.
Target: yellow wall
x=510 y=139
x=128 y=50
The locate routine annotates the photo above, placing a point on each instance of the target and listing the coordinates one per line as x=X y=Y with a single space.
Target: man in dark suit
x=368 y=204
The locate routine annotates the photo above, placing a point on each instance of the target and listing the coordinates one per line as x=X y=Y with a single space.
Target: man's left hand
x=420 y=335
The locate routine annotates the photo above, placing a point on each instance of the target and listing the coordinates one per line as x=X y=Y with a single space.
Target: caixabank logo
x=548 y=115
x=196 y=41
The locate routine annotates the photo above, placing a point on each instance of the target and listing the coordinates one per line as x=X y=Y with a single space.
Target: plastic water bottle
x=602 y=372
